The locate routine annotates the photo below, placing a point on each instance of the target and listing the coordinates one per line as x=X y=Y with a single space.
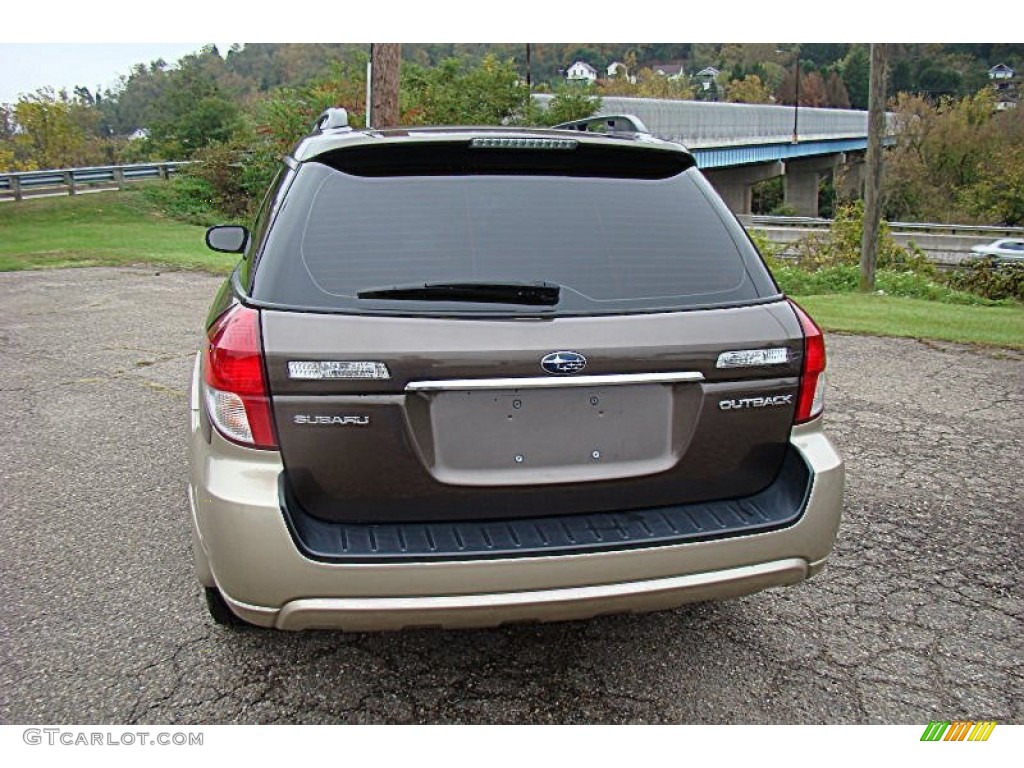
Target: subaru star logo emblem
x=563 y=363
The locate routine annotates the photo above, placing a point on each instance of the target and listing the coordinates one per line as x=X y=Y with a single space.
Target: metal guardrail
x=947 y=245
x=895 y=227
x=72 y=180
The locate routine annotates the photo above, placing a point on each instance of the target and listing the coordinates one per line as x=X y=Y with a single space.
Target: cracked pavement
x=918 y=616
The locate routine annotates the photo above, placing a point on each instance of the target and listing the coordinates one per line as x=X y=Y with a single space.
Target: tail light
x=811 y=400
x=237 y=399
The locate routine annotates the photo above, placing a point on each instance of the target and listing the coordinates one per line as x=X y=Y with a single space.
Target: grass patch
x=102 y=229
x=997 y=326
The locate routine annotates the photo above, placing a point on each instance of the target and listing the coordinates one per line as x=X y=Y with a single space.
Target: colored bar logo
x=958 y=730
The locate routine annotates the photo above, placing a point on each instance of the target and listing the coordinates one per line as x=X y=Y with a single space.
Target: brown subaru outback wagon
x=465 y=376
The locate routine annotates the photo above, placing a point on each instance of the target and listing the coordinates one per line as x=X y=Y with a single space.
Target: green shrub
x=782 y=209
x=770 y=251
x=572 y=101
x=988 y=278
x=845 y=278
x=220 y=167
x=841 y=245
x=186 y=198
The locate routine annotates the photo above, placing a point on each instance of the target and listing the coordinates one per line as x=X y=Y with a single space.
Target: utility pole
x=529 y=84
x=384 y=78
x=873 y=167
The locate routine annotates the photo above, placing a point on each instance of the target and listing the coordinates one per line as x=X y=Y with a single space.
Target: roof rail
x=606 y=124
x=330 y=119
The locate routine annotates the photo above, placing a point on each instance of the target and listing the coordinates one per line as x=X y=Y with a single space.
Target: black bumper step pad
x=779 y=505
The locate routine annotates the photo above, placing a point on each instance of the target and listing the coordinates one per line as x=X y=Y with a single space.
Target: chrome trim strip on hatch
x=548 y=381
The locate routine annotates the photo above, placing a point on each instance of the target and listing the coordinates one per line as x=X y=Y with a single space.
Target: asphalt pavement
x=918 y=616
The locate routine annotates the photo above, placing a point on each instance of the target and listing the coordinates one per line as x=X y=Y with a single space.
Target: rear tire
x=221 y=612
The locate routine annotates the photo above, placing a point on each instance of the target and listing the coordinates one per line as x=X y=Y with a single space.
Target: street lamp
x=796 y=90
x=796 y=101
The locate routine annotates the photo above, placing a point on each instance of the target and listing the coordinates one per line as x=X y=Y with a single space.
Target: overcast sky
x=25 y=67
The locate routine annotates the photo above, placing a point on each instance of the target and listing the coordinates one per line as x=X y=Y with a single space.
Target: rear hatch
x=455 y=332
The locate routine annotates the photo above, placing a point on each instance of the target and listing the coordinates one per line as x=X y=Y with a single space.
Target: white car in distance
x=1005 y=249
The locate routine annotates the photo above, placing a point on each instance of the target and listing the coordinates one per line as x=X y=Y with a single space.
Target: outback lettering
x=755 y=402
x=359 y=421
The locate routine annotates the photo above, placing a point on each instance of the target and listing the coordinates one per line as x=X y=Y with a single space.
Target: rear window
x=616 y=244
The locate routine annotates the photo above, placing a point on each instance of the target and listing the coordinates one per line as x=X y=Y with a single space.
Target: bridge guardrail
x=22 y=184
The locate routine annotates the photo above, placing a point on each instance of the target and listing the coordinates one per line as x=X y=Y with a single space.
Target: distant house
x=617 y=69
x=580 y=70
x=707 y=76
x=1005 y=82
x=671 y=71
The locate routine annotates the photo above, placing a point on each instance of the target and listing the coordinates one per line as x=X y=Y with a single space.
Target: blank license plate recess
x=598 y=432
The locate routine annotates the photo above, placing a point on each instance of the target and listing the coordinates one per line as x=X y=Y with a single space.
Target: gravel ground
x=917 y=617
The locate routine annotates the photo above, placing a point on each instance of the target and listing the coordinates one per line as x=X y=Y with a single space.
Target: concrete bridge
x=738 y=145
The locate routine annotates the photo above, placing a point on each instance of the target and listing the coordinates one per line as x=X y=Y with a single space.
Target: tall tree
x=571 y=102
x=902 y=76
x=786 y=92
x=956 y=161
x=55 y=131
x=127 y=107
x=938 y=81
x=822 y=55
x=835 y=92
x=856 y=69
x=749 y=90
x=812 y=91
x=454 y=93
x=9 y=161
x=192 y=113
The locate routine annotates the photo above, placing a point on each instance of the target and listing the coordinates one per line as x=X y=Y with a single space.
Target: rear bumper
x=465 y=611
x=244 y=547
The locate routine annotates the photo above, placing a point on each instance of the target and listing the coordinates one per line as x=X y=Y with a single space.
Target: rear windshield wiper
x=534 y=294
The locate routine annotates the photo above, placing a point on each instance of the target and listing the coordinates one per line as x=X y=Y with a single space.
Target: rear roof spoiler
x=606 y=124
